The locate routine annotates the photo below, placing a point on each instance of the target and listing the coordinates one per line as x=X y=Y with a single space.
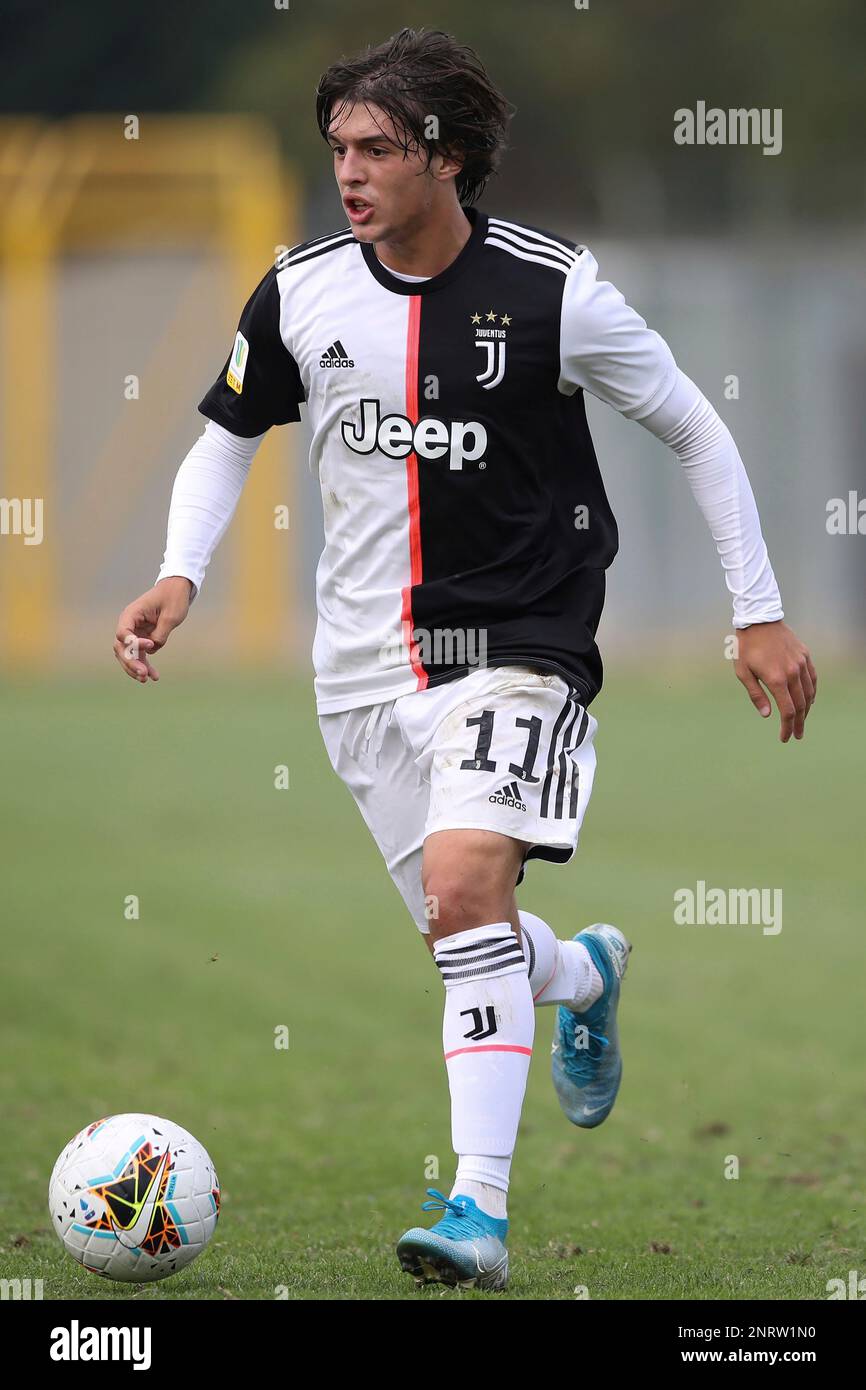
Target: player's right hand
x=144 y=626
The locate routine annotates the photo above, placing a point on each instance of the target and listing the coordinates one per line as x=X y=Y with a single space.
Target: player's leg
x=495 y=747
x=560 y=972
x=532 y=774
x=583 y=977
x=488 y=1029
x=367 y=751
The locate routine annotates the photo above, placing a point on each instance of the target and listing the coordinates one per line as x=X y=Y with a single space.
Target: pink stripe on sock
x=544 y=986
x=489 y=1047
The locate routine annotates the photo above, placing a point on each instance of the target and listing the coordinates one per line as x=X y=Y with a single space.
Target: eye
x=377 y=149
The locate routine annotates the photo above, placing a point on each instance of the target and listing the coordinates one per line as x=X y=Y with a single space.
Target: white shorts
x=504 y=748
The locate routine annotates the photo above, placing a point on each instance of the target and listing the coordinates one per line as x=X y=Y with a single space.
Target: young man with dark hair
x=443 y=355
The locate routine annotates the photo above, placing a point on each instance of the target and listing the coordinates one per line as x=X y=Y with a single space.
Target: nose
x=351 y=170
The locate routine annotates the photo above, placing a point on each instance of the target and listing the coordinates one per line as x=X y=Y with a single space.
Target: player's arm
x=259 y=386
x=607 y=349
x=206 y=492
x=768 y=650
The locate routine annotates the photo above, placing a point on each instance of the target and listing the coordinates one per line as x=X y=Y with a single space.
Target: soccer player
x=443 y=355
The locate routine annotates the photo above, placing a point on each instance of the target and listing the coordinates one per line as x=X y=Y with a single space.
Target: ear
x=447 y=166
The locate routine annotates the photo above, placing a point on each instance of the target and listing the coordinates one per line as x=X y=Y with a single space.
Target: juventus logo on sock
x=487 y=1034
x=478 y=1030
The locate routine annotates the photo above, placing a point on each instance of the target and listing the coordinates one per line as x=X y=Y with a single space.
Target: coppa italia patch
x=238 y=363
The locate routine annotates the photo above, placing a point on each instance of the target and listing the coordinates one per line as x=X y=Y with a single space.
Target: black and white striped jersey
x=466 y=522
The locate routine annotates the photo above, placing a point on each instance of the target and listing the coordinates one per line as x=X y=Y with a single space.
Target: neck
x=428 y=248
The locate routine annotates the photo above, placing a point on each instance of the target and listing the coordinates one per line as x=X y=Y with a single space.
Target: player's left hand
x=771 y=653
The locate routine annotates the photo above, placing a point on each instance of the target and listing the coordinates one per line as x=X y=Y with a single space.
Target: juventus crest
x=491 y=338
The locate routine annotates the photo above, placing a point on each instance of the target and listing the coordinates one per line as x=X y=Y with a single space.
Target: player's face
x=385 y=192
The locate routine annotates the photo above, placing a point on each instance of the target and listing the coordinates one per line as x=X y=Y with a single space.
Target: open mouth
x=359 y=209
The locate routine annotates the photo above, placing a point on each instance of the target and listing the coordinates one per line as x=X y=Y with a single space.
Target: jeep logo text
x=396 y=437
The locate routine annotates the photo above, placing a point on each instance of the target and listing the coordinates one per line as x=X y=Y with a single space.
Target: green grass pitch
x=261 y=907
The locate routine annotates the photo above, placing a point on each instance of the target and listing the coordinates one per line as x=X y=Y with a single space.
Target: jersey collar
x=458 y=265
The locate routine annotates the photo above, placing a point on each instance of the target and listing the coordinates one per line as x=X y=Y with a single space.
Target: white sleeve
x=607 y=349
x=688 y=424
x=203 y=500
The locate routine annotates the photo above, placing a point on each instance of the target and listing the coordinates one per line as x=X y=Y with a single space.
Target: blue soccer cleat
x=586 y=1063
x=466 y=1249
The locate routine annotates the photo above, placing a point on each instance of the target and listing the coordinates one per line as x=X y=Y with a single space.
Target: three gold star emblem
x=490 y=316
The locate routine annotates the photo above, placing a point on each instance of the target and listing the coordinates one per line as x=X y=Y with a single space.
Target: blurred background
x=150 y=161
x=165 y=906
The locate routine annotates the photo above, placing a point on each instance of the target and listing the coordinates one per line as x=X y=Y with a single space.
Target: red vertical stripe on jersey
x=412 y=488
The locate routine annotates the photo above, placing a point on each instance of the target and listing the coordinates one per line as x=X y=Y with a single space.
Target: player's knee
x=457 y=903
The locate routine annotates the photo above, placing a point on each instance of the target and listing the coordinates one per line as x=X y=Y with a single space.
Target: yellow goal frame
x=90 y=182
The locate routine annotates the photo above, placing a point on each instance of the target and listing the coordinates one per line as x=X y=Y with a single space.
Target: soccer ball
x=133 y=1197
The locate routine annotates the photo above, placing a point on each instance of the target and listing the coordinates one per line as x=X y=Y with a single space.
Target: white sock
x=487 y=1034
x=489 y=1196
x=560 y=972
